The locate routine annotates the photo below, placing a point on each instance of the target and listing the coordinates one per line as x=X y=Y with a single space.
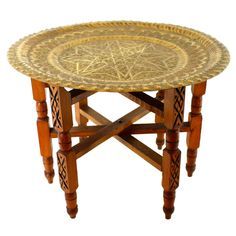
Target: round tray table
x=74 y=62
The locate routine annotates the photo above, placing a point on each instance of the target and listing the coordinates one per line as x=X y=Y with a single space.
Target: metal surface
x=119 y=56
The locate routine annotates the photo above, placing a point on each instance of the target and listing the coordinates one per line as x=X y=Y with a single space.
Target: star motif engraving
x=117 y=60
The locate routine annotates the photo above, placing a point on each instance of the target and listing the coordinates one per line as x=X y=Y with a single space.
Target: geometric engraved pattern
x=119 y=56
x=61 y=161
x=124 y=59
x=175 y=170
x=56 y=111
x=179 y=107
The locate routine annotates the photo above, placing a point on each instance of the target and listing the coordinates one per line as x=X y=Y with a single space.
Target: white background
x=119 y=193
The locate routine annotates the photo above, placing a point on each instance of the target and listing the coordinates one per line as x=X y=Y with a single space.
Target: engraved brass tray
x=119 y=56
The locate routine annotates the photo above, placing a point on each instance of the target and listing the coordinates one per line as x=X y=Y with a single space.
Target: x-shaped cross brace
x=120 y=129
x=126 y=139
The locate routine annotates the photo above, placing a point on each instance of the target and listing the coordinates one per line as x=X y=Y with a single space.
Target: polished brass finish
x=119 y=56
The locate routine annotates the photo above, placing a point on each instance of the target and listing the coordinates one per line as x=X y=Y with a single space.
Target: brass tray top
x=119 y=56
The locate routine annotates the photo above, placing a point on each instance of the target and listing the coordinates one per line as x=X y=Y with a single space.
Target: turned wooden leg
x=81 y=120
x=195 y=120
x=62 y=121
x=173 y=118
x=158 y=119
x=171 y=170
x=45 y=145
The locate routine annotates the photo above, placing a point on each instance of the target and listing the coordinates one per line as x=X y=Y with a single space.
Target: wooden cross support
x=168 y=107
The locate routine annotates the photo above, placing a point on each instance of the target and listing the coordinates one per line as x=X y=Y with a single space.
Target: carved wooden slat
x=67 y=172
x=146 y=102
x=159 y=119
x=173 y=118
x=44 y=136
x=129 y=141
x=195 y=120
x=60 y=101
x=68 y=180
x=62 y=121
x=62 y=169
x=174 y=107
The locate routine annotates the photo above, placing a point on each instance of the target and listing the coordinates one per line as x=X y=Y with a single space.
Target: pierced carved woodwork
x=175 y=170
x=67 y=164
x=61 y=108
x=55 y=107
x=64 y=140
x=68 y=180
x=174 y=107
x=179 y=107
x=63 y=175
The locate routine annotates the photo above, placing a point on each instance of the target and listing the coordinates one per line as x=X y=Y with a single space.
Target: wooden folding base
x=168 y=107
